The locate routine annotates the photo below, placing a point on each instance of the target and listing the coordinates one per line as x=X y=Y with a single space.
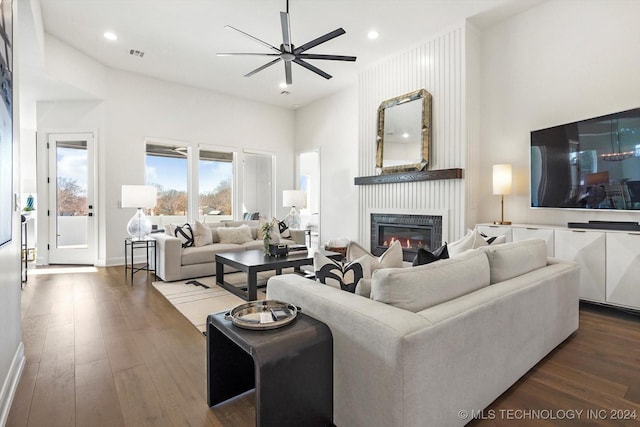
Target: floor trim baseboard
x=11 y=383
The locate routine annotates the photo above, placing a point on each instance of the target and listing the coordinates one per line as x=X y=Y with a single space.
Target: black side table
x=149 y=245
x=291 y=369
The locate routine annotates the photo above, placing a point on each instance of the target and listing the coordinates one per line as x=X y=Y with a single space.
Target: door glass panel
x=215 y=185
x=71 y=194
x=257 y=187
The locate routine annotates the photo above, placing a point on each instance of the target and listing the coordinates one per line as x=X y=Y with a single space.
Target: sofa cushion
x=202 y=235
x=204 y=254
x=424 y=256
x=215 y=237
x=417 y=288
x=472 y=240
x=237 y=235
x=231 y=223
x=391 y=258
x=515 y=259
x=342 y=276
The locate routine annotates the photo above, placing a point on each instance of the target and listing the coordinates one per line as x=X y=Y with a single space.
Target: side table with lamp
x=139 y=227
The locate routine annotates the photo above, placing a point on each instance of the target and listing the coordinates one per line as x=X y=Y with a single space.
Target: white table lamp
x=293 y=199
x=502 y=179
x=140 y=197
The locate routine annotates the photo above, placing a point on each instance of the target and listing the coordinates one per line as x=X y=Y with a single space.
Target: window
x=215 y=183
x=167 y=169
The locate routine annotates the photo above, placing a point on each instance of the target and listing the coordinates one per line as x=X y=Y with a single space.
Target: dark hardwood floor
x=103 y=353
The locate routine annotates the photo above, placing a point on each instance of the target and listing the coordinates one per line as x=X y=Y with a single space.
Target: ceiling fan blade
x=254 y=38
x=287 y=72
x=268 y=64
x=312 y=68
x=330 y=57
x=286 y=31
x=245 y=54
x=332 y=35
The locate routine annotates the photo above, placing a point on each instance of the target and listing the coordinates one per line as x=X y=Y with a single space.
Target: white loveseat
x=178 y=263
x=468 y=329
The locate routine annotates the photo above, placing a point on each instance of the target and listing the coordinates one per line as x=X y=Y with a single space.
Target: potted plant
x=267 y=228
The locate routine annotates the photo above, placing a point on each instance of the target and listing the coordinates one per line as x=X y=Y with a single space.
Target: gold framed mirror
x=404 y=133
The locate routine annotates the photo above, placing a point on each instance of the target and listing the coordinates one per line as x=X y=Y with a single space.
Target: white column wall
x=331 y=124
x=438 y=65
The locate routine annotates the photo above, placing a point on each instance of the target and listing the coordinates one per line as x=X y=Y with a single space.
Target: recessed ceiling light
x=283 y=85
x=110 y=36
x=373 y=34
x=405 y=135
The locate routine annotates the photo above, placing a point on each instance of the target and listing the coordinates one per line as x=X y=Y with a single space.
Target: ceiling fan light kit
x=288 y=53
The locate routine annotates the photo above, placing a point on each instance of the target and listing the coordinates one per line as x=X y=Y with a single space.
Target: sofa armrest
x=299 y=236
x=169 y=257
x=368 y=343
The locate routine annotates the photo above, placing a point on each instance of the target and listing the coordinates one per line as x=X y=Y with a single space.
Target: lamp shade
x=139 y=196
x=502 y=179
x=294 y=198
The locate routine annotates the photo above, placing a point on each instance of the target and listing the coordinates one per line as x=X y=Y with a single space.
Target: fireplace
x=413 y=232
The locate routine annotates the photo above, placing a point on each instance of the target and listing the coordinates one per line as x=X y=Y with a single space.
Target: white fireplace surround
x=444 y=213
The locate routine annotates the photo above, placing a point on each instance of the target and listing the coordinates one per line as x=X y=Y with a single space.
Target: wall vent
x=137 y=53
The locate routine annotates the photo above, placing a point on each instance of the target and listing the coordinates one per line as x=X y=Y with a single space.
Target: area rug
x=197 y=298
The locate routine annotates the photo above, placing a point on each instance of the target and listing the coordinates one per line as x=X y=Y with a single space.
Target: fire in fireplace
x=410 y=237
x=413 y=232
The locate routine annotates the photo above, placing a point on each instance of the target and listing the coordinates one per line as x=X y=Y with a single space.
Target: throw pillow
x=342 y=276
x=185 y=234
x=283 y=228
x=391 y=258
x=426 y=257
x=472 y=240
x=494 y=240
x=235 y=235
x=202 y=234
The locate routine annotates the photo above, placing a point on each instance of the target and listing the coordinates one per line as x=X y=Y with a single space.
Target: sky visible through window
x=171 y=173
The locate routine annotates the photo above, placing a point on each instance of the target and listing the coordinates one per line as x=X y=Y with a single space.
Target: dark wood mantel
x=392 y=178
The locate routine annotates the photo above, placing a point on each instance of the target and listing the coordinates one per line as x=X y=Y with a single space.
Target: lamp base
x=139 y=225
x=502 y=222
x=294 y=218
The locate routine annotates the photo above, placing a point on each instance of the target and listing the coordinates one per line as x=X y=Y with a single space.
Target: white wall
x=11 y=348
x=556 y=63
x=137 y=108
x=331 y=124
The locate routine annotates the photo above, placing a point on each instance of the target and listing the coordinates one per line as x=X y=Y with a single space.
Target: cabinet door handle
x=633 y=234
x=578 y=231
x=532 y=228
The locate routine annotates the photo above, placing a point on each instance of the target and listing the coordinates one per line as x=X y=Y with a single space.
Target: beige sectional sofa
x=178 y=263
x=437 y=340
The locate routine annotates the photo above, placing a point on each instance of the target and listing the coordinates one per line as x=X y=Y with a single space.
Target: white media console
x=609 y=259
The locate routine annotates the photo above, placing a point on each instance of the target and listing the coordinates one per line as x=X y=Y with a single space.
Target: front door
x=72 y=231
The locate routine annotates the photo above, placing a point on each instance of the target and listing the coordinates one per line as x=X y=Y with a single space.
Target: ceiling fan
x=288 y=53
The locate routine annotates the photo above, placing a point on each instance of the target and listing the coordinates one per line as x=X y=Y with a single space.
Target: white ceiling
x=180 y=38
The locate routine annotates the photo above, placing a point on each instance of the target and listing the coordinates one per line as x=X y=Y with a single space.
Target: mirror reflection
x=404 y=129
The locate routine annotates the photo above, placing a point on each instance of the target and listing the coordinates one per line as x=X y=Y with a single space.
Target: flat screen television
x=589 y=164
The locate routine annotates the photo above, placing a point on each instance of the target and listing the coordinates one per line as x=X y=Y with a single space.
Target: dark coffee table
x=254 y=261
